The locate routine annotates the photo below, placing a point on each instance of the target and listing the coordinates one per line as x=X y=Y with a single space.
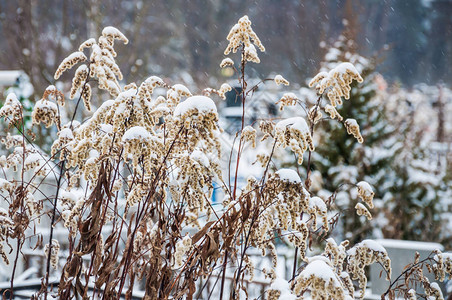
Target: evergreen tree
x=418 y=190
x=342 y=159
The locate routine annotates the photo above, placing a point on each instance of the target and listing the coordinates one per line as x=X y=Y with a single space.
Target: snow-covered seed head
x=267 y=128
x=81 y=74
x=336 y=82
x=69 y=62
x=86 y=44
x=280 y=80
x=45 y=112
x=11 y=109
x=363 y=254
x=318 y=208
x=353 y=128
x=334 y=114
x=314 y=114
x=242 y=34
x=361 y=210
x=111 y=32
x=221 y=92
x=294 y=132
x=53 y=254
x=249 y=135
x=288 y=99
x=411 y=295
x=320 y=278
x=227 y=62
x=365 y=193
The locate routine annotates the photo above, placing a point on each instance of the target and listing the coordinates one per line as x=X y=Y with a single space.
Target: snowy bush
x=134 y=182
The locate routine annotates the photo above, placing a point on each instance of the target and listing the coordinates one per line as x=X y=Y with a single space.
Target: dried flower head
x=11 y=109
x=69 y=62
x=353 y=128
x=334 y=114
x=242 y=34
x=314 y=114
x=363 y=254
x=361 y=210
x=294 y=132
x=81 y=75
x=336 y=82
x=249 y=135
x=53 y=253
x=227 y=62
x=288 y=99
x=366 y=193
x=320 y=278
x=280 y=80
x=45 y=112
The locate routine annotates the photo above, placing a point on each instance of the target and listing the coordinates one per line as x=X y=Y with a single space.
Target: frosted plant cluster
x=135 y=183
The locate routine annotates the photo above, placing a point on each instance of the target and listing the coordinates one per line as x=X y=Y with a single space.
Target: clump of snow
x=114 y=32
x=154 y=79
x=280 y=80
x=283 y=286
x=11 y=99
x=202 y=104
x=226 y=62
x=370 y=244
x=289 y=175
x=317 y=202
x=32 y=158
x=106 y=128
x=136 y=132
x=200 y=157
x=66 y=133
x=45 y=105
x=351 y=122
x=366 y=187
x=181 y=89
x=320 y=267
x=297 y=123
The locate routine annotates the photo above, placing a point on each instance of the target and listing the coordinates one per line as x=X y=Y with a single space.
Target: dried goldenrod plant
x=132 y=188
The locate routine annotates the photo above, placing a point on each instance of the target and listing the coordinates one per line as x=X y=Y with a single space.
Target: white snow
x=283 y=286
x=351 y=122
x=280 y=80
x=11 y=99
x=66 y=133
x=319 y=267
x=32 y=158
x=199 y=103
x=317 y=202
x=227 y=61
x=106 y=128
x=74 y=55
x=295 y=123
x=365 y=187
x=343 y=68
x=45 y=105
x=289 y=175
x=154 y=79
x=371 y=244
x=181 y=89
x=51 y=88
x=200 y=157
x=136 y=132
x=113 y=31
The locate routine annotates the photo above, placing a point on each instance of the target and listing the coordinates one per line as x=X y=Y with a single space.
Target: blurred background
x=411 y=38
